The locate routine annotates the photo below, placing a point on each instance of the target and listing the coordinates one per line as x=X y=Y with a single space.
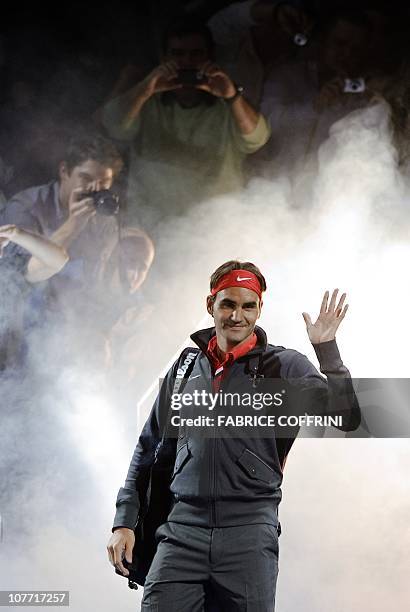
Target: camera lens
x=105 y=201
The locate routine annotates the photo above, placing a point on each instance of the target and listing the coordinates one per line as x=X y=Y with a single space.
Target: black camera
x=105 y=201
x=191 y=76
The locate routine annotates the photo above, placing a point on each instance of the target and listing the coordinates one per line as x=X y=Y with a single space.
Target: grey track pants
x=225 y=569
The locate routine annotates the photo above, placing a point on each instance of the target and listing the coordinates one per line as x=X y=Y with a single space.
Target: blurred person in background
x=253 y=38
x=118 y=303
x=16 y=275
x=304 y=70
x=100 y=323
x=189 y=128
x=337 y=74
x=63 y=211
x=47 y=258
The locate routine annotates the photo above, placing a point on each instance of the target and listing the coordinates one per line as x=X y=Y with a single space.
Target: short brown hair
x=91 y=144
x=233 y=264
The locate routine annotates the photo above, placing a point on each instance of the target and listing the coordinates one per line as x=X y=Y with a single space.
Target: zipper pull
x=256 y=378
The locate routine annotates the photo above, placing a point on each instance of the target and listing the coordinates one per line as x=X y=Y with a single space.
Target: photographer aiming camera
x=66 y=210
x=189 y=127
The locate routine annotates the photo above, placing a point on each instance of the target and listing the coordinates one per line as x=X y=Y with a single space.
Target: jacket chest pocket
x=255 y=467
x=182 y=457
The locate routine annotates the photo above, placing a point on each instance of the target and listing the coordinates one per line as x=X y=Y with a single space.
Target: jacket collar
x=202 y=337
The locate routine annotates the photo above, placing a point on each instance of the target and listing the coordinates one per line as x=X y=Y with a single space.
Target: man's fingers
x=169 y=73
x=167 y=82
x=342 y=315
x=307 y=319
x=82 y=208
x=77 y=198
x=77 y=191
x=204 y=67
x=203 y=87
x=339 y=307
x=87 y=201
x=172 y=66
x=169 y=70
x=323 y=306
x=333 y=300
x=118 y=550
x=214 y=71
x=211 y=69
x=110 y=554
x=119 y=566
x=128 y=552
x=120 y=545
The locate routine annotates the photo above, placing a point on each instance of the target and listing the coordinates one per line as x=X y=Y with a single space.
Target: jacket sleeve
x=17 y=212
x=334 y=397
x=128 y=498
x=250 y=143
x=114 y=113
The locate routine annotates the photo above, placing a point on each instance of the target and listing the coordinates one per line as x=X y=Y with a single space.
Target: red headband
x=238 y=278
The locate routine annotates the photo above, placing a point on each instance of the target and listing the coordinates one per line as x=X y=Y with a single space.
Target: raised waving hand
x=329 y=319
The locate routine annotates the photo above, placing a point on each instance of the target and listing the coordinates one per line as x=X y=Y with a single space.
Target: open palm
x=329 y=319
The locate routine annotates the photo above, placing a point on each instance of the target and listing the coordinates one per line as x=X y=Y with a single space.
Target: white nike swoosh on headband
x=239 y=278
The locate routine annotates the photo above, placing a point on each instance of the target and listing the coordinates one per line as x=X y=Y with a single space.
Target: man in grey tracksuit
x=220 y=540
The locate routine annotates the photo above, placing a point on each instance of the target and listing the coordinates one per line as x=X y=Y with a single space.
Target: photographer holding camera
x=75 y=213
x=67 y=210
x=189 y=125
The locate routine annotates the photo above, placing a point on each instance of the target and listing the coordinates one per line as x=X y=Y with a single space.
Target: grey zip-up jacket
x=226 y=481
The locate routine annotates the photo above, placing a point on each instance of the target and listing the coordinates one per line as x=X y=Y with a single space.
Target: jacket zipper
x=212 y=483
x=213 y=454
x=212 y=469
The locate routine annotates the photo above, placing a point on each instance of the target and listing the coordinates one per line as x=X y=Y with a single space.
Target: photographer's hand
x=80 y=207
x=162 y=78
x=80 y=211
x=221 y=85
x=121 y=545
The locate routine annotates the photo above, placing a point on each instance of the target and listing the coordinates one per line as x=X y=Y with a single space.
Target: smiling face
x=235 y=311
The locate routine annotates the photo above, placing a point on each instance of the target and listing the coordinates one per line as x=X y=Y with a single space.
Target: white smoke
x=67 y=438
